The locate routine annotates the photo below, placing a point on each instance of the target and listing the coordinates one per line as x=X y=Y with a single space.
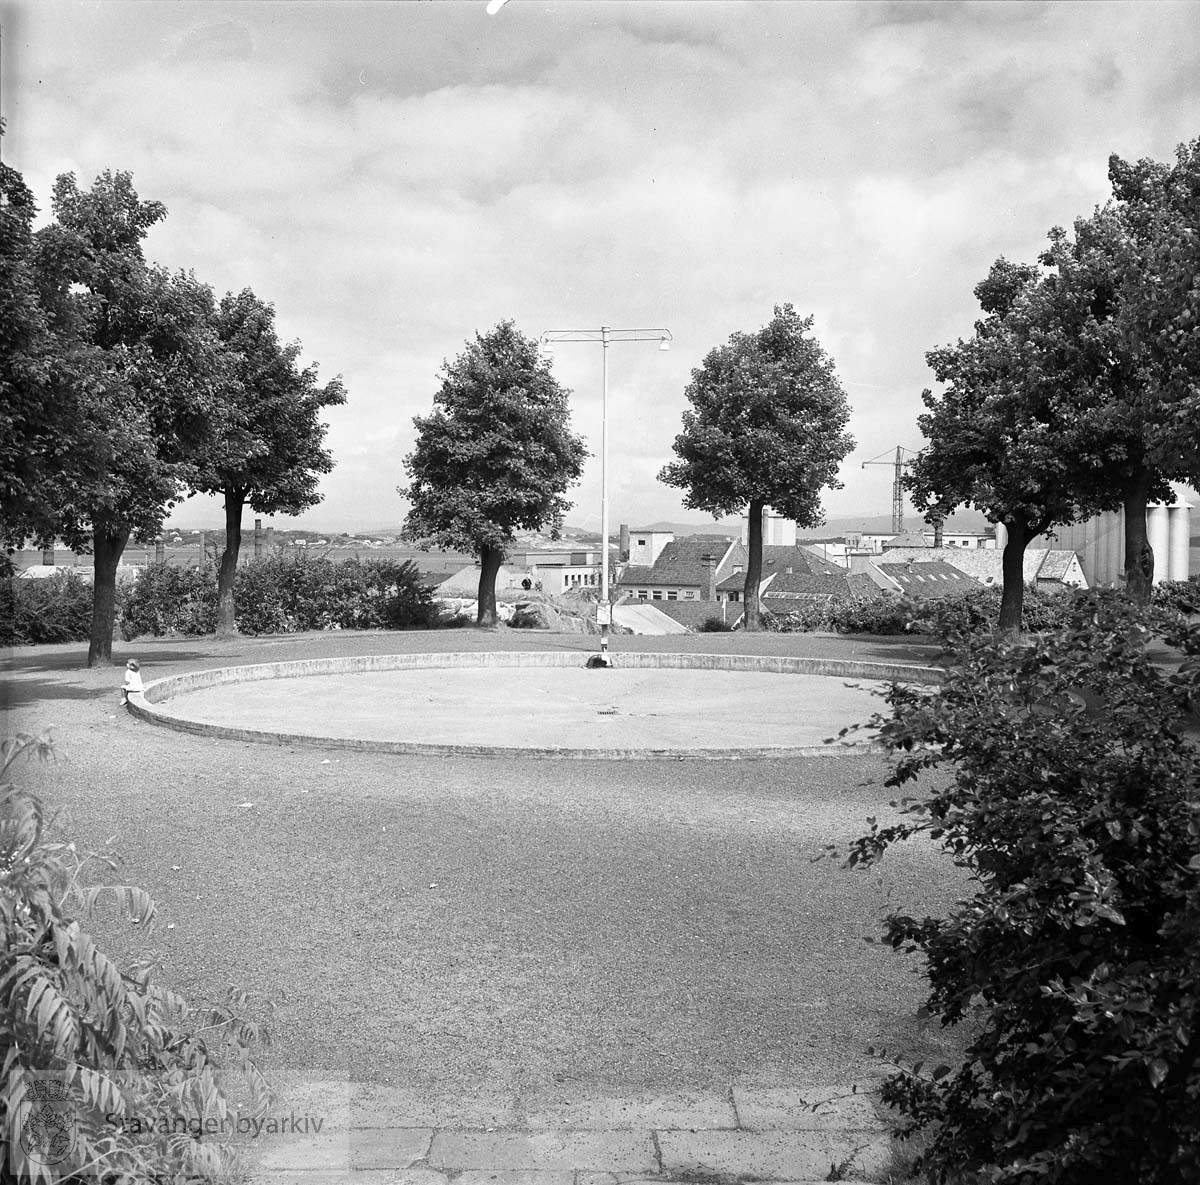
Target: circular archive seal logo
x=49 y=1131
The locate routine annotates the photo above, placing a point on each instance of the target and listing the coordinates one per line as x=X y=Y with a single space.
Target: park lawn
x=479 y=924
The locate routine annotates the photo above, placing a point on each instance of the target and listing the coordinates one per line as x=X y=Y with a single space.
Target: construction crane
x=899 y=463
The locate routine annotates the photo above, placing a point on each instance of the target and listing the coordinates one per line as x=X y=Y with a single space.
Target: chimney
x=710 y=577
x=860 y=561
x=624 y=554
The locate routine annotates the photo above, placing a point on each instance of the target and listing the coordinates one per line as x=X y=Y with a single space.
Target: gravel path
x=466 y=925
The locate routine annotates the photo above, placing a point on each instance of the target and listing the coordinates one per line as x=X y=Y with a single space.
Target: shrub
x=55 y=608
x=715 y=625
x=1181 y=595
x=885 y=614
x=975 y=612
x=166 y=599
x=802 y=619
x=281 y=594
x=1068 y=788
x=91 y=1050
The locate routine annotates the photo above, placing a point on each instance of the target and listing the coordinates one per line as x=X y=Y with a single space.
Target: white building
x=776 y=530
x=1100 y=542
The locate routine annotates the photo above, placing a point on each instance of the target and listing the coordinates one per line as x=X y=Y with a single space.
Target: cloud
x=395 y=177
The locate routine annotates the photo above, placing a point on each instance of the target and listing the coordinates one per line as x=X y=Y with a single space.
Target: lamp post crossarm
x=606 y=335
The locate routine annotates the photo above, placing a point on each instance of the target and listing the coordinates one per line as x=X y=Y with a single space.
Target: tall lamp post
x=604 y=335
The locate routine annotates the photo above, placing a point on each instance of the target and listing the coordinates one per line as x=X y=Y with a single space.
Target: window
x=656 y=595
x=689 y=594
x=641 y=543
x=643 y=594
x=672 y=594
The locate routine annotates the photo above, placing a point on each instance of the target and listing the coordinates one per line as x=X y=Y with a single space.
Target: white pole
x=604 y=489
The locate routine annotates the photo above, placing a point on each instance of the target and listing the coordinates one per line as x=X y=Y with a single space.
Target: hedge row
x=56 y=609
x=287 y=593
x=975 y=612
x=274 y=595
x=280 y=594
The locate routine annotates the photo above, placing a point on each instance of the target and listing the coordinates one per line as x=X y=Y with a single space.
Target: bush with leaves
x=282 y=594
x=90 y=1051
x=800 y=619
x=886 y=614
x=167 y=599
x=973 y=612
x=34 y=611
x=1072 y=801
x=1181 y=595
x=977 y=611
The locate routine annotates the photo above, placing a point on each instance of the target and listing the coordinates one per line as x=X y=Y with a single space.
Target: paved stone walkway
x=373 y=1135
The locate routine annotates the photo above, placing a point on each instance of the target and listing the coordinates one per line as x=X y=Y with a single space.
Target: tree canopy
x=1010 y=432
x=137 y=364
x=267 y=437
x=495 y=456
x=766 y=427
x=1080 y=389
x=27 y=409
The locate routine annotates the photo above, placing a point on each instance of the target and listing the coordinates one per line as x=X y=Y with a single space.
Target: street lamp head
x=665 y=344
x=548 y=348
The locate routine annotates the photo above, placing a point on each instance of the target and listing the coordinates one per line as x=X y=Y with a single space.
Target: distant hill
x=731 y=529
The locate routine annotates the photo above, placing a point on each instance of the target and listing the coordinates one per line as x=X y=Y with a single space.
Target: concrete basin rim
x=180 y=684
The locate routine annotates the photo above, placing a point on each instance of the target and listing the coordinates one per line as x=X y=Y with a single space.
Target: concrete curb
x=746 y=1134
x=173 y=686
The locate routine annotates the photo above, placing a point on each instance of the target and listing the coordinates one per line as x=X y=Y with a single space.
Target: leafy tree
x=1156 y=305
x=495 y=456
x=766 y=428
x=27 y=407
x=1062 y=779
x=268 y=440
x=1010 y=433
x=137 y=365
x=1081 y=390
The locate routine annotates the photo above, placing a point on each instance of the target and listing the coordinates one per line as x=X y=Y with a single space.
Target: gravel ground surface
x=478 y=924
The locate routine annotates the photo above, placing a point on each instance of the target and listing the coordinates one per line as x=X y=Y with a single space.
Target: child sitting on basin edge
x=133 y=681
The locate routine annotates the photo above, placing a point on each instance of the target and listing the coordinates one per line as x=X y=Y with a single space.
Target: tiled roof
x=799 y=559
x=906 y=539
x=808 y=584
x=929 y=578
x=1055 y=565
x=986 y=563
x=637 y=574
x=862 y=587
x=681 y=563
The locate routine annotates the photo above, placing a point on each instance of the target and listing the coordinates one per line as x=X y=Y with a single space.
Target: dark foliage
x=57 y=608
x=282 y=594
x=1063 y=776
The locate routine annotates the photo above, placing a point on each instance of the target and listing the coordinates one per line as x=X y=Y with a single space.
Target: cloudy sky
x=397 y=176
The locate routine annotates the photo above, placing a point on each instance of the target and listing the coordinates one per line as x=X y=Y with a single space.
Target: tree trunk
x=1012 y=600
x=227 y=572
x=108 y=545
x=490 y=559
x=752 y=615
x=1139 y=555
